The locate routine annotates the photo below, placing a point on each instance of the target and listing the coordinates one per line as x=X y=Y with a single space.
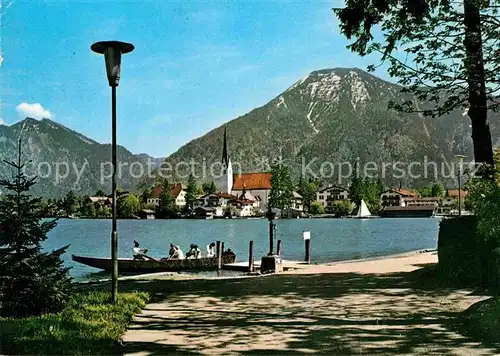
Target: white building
x=330 y=194
x=396 y=197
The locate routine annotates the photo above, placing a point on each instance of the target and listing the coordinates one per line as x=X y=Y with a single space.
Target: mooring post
x=278 y=249
x=307 y=240
x=221 y=247
x=219 y=253
x=250 y=257
x=308 y=251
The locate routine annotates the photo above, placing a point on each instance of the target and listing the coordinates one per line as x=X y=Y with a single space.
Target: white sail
x=363 y=210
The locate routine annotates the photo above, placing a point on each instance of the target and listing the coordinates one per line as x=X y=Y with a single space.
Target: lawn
x=89 y=325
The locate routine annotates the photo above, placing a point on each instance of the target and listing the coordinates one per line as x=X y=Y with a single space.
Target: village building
x=451 y=197
x=100 y=201
x=326 y=196
x=396 y=197
x=176 y=190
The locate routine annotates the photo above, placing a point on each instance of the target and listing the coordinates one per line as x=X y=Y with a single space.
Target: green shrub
x=316 y=208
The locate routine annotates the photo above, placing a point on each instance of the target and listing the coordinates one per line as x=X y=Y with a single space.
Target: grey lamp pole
x=113 y=51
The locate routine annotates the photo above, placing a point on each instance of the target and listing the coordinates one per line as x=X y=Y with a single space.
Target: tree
x=209 y=188
x=308 y=192
x=281 y=195
x=128 y=205
x=146 y=194
x=438 y=190
x=166 y=207
x=316 y=208
x=341 y=208
x=425 y=192
x=356 y=187
x=100 y=193
x=103 y=212
x=191 y=192
x=87 y=209
x=452 y=57
x=69 y=203
x=32 y=282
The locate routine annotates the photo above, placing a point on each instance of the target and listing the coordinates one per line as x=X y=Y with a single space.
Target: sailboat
x=363 y=211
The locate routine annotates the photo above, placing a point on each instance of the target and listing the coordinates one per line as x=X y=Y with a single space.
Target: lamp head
x=112 y=51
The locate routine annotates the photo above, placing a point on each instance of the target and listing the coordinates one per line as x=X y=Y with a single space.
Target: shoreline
x=292 y=270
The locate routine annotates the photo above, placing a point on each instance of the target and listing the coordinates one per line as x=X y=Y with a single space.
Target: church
x=245 y=186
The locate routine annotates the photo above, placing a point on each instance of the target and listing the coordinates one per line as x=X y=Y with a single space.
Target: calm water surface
x=331 y=239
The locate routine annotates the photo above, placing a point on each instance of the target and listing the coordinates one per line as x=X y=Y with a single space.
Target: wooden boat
x=151 y=266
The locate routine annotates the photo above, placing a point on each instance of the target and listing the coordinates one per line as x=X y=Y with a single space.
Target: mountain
x=332 y=118
x=65 y=160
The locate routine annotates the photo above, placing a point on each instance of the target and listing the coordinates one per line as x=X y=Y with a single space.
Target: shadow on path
x=337 y=313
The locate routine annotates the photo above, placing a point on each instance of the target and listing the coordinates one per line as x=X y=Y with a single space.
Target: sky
x=196 y=64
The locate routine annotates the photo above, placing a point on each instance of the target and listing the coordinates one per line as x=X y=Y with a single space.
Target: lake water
x=331 y=239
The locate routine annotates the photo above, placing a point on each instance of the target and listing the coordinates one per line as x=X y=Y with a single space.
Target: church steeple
x=227 y=170
x=225 y=156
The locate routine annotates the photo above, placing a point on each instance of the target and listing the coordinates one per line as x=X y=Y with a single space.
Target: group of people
x=176 y=252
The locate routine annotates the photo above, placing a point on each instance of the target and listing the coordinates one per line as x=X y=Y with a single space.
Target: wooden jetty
x=243 y=266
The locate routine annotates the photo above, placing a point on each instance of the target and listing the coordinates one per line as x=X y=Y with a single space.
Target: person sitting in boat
x=194 y=252
x=139 y=253
x=228 y=252
x=175 y=253
x=211 y=250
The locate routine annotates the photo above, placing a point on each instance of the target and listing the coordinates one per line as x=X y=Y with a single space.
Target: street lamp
x=461 y=159
x=113 y=51
x=270 y=214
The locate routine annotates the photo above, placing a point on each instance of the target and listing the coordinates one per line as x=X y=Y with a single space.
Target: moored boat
x=151 y=266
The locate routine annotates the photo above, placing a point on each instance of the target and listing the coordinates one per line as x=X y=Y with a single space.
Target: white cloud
x=1 y=57
x=3 y=122
x=35 y=110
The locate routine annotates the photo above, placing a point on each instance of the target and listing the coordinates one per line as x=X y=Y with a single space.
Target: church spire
x=225 y=156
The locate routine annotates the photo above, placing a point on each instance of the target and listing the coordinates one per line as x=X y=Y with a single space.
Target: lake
x=331 y=239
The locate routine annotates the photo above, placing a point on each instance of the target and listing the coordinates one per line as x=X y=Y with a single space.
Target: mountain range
x=335 y=118
x=65 y=160
x=326 y=121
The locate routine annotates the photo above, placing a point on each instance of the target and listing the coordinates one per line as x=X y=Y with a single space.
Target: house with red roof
x=176 y=190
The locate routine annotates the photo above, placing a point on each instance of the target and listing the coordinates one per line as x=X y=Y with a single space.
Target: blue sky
x=196 y=65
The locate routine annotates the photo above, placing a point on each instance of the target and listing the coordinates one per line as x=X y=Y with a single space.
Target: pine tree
x=32 y=282
x=166 y=207
x=281 y=195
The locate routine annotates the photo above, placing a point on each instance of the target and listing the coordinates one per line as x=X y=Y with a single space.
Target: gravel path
x=384 y=306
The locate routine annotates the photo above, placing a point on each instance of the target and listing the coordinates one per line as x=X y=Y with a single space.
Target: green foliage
x=209 y=188
x=425 y=192
x=128 y=205
x=447 y=47
x=100 y=193
x=146 y=194
x=32 y=282
x=191 y=192
x=88 y=210
x=281 y=195
x=103 y=212
x=438 y=191
x=166 y=207
x=308 y=192
x=482 y=320
x=88 y=325
x=340 y=208
x=365 y=189
x=316 y=208
x=70 y=203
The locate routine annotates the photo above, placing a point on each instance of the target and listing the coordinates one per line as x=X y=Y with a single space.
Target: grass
x=482 y=320
x=89 y=325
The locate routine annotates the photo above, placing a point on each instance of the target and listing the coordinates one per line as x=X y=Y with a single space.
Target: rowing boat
x=151 y=266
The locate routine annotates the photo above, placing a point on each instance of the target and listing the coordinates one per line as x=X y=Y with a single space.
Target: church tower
x=226 y=185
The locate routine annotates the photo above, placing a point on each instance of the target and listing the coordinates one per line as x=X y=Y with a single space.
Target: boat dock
x=244 y=266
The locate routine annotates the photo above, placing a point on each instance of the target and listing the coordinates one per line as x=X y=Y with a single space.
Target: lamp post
x=113 y=51
x=461 y=159
x=270 y=214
